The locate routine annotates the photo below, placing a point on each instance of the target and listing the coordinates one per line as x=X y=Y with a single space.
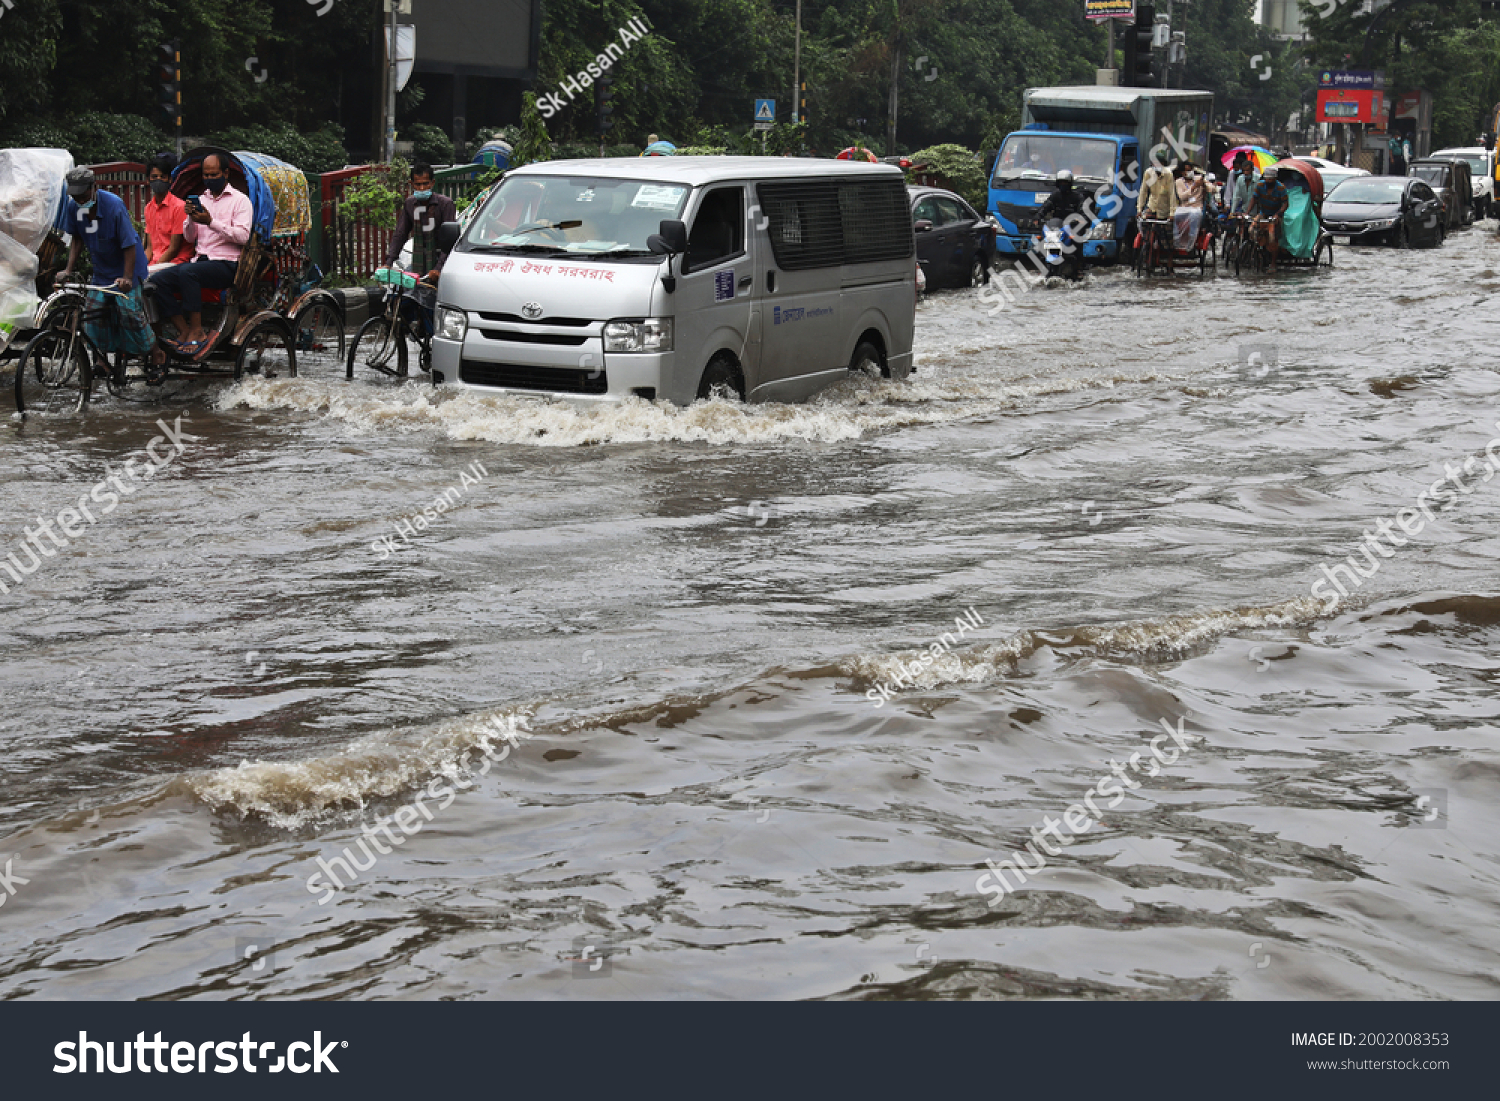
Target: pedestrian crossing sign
x=765 y=110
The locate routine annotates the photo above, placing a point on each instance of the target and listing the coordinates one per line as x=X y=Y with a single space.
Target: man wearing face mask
x=218 y=226
x=164 y=218
x=113 y=322
x=421 y=215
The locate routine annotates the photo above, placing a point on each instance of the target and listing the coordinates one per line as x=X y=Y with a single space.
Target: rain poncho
x=1299 y=228
x=31 y=193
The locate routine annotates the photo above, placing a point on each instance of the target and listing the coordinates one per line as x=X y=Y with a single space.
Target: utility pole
x=797 y=69
x=390 y=90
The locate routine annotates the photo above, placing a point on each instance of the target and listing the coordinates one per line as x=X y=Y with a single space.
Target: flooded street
x=245 y=675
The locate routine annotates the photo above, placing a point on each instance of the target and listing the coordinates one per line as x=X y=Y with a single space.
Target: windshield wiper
x=518 y=248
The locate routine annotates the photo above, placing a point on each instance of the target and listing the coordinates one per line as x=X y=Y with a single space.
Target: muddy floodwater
x=656 y=702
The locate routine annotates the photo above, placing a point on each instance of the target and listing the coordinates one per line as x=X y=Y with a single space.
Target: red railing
x=127 y=180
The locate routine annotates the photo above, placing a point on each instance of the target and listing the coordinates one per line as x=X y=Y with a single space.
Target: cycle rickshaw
x=1155 y=248
x=270 y=320
x=1302 y=242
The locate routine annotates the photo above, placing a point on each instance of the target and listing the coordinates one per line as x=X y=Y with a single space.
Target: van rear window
x=827 y=223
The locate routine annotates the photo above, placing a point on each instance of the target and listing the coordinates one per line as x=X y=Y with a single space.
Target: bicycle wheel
x=380 y=346
x=55 y=374
x=320 y=339
x=267 y=351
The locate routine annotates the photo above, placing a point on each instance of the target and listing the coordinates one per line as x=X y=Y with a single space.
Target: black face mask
x=217 y=184
x=159 y=187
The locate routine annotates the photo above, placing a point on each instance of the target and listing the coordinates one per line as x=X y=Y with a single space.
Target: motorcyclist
x=1064 y=201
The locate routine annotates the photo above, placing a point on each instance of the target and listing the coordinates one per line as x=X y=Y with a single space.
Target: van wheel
x=720 y=379
x=867 y=360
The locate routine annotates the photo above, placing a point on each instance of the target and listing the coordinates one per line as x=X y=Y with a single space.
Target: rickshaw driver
x=421 y=216
x=113 y=323
x=1268 y=203
x=219 y=226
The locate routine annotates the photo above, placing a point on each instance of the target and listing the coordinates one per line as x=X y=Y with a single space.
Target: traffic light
x=604 y=89
x=1138 y=50
x=169 y=84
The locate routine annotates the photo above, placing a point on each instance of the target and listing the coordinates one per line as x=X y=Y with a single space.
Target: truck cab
x=1104 y=166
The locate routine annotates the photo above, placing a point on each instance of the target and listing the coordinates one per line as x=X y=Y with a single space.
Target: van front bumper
x=583 y=373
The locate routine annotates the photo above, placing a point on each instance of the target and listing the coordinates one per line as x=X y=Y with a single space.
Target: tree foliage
x=955 y=70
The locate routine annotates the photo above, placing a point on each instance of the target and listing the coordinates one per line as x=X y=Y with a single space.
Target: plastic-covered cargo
x=32 y=183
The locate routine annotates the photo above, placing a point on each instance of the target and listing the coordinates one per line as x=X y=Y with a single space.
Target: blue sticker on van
x=724 y=286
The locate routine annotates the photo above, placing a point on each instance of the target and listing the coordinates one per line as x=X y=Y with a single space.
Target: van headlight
x=649 y=334
x=451 y=324
x=1102 y=231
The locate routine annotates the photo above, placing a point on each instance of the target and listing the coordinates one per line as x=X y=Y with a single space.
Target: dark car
x=955 y=246
x=1450 y=177
x=1399 y=210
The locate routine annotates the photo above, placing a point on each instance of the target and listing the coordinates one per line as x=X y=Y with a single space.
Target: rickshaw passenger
x=164 y=218
x=1188 y=217
x=421 y=216
x=112 y=323
x=219 y=227
x=1241 y=183
x=1267 y=206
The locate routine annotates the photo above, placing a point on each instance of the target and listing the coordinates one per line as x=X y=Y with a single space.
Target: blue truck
x=1103 y=135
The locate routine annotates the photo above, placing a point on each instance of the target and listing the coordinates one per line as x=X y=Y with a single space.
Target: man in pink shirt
x=219 y=227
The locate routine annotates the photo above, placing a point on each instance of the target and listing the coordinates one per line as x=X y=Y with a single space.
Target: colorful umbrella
x=857 y=153
x=660 y=149
x=1260 y=158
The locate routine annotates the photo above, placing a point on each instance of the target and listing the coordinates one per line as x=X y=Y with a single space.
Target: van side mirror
x=447 y=236
x=922 y=225
x=671 y=237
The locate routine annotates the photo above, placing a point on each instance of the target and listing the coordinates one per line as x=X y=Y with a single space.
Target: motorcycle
x=1058 y=250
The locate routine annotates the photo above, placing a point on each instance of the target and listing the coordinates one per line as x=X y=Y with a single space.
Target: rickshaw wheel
x=55 y=374
x=321 y=346
x=267 y=351
x=380 y=346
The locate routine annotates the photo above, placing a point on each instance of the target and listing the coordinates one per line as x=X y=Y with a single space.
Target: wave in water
x=845 y=412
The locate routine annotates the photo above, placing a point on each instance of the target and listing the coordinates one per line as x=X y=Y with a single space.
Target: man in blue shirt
x=1268 y=202
x=114 y=322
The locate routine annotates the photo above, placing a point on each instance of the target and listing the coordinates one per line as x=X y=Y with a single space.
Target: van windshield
x=576 y=214
x=1041 y=156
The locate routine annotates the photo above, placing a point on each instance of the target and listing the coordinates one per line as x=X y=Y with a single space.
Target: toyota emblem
x=531 y=311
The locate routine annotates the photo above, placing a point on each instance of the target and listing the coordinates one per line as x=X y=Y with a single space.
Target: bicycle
x=382 y=339
x=1234 y=231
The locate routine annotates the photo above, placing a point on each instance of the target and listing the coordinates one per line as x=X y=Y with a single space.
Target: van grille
x=515 y=376
x=515 y=319
x=534 y=338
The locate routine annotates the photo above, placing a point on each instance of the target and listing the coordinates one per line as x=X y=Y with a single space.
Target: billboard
x=494 y=38
x=1109 y=9
x=1365 y=105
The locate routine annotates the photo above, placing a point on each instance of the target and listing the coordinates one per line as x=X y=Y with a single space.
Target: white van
x=771 y=278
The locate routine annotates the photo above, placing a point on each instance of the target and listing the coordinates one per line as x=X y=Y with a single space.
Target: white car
x=1482 y=168
x=1332 y=172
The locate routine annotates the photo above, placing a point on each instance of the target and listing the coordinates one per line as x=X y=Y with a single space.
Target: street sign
x=1109 y=9
x=765 y=111
x=404 y=9
x=764 y=125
